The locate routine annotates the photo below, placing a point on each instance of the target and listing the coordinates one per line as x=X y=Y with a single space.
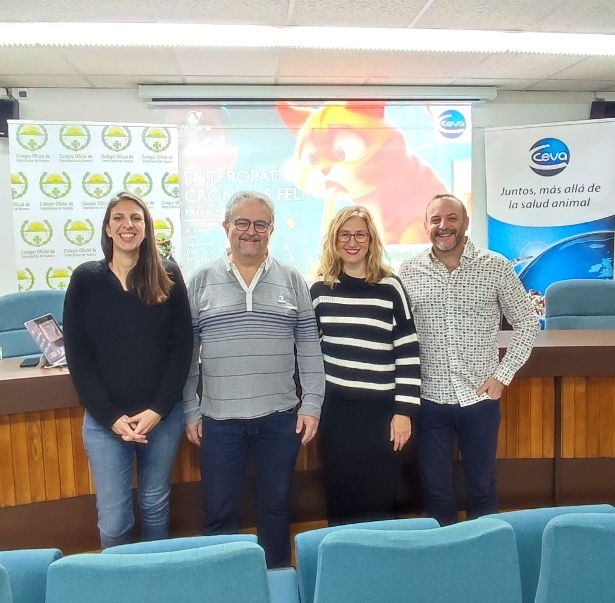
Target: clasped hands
x=136 y=428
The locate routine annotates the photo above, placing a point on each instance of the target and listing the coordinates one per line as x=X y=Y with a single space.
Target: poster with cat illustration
x=314 y=158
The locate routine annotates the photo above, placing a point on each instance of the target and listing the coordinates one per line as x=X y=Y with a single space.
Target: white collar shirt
x=457 y=316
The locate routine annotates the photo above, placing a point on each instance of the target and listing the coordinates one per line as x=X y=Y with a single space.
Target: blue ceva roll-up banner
x=551 y=200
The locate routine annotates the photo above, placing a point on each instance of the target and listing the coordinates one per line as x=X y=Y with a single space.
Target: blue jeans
x=111 y=461
x=476 y=429
x=224 y=453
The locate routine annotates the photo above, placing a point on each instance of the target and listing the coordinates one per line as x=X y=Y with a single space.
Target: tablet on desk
x=48 y=337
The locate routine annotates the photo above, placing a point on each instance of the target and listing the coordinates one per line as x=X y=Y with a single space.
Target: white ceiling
x=78 y=67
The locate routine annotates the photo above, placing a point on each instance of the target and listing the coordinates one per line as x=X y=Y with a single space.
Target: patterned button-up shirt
x=457 y=316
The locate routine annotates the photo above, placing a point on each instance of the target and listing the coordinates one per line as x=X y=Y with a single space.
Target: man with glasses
x=252 y=318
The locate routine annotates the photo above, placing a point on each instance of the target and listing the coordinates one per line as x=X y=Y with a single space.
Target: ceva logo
x=452 y=123
x=549 y=157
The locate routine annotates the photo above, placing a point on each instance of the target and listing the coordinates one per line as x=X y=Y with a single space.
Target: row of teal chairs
x=550 y=555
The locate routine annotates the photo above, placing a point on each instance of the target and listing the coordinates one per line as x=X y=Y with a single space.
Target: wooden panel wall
x=527 y=426
x=42 y=456
x=588 y=417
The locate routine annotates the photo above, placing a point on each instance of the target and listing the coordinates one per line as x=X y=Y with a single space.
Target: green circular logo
x=25 y=279
x=156 y=139
x=163 y=227
x=36 y=234
x=97 y=185
x=75 y=137
x=32 y=137
x=116 y=138
x=139 y=184
x=55 y=185
x=19 y=185
x=170 y=184
x=58 y=278
x=79 y=232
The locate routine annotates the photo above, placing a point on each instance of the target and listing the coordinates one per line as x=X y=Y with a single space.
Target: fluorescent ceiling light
x=324 y=38
x=175 y=94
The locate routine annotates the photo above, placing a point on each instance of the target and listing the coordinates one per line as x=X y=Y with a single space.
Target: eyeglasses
x=360 y=237
x=241 y=224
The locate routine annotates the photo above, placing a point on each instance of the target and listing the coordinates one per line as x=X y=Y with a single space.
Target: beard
x=250 y=246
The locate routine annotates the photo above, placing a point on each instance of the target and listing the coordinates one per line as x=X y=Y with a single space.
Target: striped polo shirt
x=246 y=338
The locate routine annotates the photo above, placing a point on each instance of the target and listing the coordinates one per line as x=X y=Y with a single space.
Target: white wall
x=509 y=109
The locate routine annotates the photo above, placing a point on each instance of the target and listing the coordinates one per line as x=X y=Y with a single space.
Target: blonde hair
x=331 y=264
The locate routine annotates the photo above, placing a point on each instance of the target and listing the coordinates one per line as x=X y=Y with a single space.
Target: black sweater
x=123 y=355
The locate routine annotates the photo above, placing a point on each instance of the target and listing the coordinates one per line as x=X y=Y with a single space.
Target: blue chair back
x=17 y=308
x=282 y=582
x=529 y=525
x=580 y=304
x=26 y=571
x=466 y=562
x=578 y=559
x=169 y=545
x=5 y=587
x=234 y=572
x=307 y=544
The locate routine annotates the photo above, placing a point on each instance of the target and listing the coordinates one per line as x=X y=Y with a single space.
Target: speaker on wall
x=602 y=109
x=9 y=109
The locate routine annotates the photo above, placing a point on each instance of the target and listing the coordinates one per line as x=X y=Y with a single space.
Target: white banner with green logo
x=63 y=175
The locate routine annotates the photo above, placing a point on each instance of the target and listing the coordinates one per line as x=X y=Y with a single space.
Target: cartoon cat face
x=345 y=152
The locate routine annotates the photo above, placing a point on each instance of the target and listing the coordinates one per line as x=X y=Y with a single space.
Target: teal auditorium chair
x=308 y=543
x=234 y=572
x=16 y=308
x=529 y=525
x=282 y=582
x=5 y=587
x=580 y=304
x=468 y=562
x=23 y=574
x=578 y=559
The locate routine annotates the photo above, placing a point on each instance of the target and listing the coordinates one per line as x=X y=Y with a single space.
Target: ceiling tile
x=324 y=63
x=45 y=81
x=360 y=13
x=581 y=16
x=228 y=61
x=123 y=67
x=122 y=61
x=107 y=11
x=485 y=14
x=591 y=68
x=32 y=60
x=572 y=85
x=409 y=81
x=229 y=79
x=423 y=64
x=237 y=12
x=520 y=66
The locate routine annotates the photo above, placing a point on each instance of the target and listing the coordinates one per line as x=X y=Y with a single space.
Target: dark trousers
x=274 y=445
x=476 y=429
x=359 y=464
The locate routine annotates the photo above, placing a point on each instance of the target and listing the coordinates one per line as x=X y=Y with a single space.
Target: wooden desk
x=556 y=445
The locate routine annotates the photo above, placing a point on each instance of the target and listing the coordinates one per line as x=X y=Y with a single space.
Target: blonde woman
x=372 y=369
